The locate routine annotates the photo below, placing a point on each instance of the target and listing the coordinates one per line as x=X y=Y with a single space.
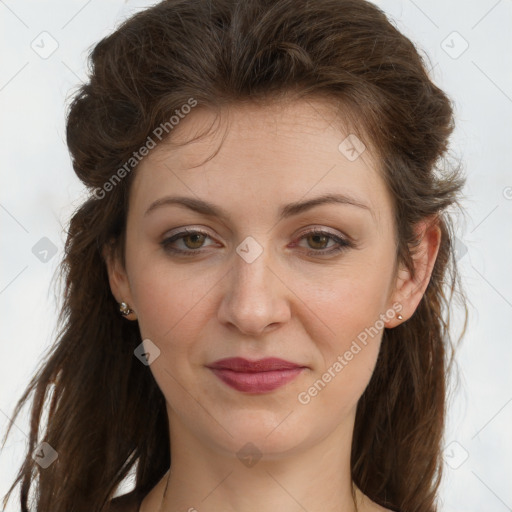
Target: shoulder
x=126 y=503
x=365 y=504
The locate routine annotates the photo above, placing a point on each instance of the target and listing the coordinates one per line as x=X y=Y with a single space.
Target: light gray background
x=39 y=191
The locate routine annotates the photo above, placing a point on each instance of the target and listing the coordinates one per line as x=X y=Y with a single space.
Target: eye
x=319 y=240
x=190 y=239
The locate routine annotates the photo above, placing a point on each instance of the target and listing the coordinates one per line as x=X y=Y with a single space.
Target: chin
x=263 y=434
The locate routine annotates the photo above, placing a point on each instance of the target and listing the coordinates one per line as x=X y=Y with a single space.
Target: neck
x=206 y=479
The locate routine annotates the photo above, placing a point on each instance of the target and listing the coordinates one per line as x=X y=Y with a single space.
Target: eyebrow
x=209 y=209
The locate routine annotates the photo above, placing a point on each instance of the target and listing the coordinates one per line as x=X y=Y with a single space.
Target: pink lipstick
x=259 y=376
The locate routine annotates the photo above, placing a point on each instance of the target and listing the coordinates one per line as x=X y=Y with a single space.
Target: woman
x=258 y=285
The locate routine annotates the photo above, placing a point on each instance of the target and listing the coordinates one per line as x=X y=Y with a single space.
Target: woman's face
x=250 y=280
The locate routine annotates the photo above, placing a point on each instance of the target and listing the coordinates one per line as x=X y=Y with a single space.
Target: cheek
x=349 y=302
x=348 y=333
x=347 y=352
x=171 y=313
x=169 y=298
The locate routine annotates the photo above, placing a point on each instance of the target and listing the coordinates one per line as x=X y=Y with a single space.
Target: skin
x=305 y=308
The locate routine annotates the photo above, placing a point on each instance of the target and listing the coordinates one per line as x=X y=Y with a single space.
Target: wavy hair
x=106 y=414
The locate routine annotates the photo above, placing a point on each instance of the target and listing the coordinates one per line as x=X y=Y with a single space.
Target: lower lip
x=257 y=382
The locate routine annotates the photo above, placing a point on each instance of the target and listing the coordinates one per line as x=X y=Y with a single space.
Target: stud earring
x=125 y=309
x=400 y=317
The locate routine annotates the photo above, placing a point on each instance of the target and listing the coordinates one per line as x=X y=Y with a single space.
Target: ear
x=408 y=291
x=118 y=278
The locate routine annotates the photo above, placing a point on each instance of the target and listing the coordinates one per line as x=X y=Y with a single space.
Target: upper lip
x=239 y=364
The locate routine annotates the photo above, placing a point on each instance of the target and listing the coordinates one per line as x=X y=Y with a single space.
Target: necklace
x=167 y=485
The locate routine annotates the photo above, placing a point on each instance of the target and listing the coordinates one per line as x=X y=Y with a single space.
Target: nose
x=256 y=299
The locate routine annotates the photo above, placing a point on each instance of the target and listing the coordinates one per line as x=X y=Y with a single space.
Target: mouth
x=261 y=376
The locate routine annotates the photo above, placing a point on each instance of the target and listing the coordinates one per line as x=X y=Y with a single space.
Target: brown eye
x=320 y=243
x=186 y=242
x=317 y=241
x=194 y=241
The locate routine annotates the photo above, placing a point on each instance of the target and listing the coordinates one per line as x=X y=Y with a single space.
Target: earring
x=400 y=317
x=125 y=309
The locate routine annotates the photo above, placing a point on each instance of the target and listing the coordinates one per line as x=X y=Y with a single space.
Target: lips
x=261 y=376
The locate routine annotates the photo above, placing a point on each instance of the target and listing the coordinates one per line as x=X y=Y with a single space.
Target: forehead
x=278 y=151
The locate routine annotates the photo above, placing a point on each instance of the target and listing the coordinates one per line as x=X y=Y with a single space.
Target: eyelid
x=187 y=229
x=327 y=231
x=309 y=229
x=342 y=241
x=322 y=229
x=180 y=233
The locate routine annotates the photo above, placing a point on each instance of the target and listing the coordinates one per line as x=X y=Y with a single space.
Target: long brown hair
x=106 y=413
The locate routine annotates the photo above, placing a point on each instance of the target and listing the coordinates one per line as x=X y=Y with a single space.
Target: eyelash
x=342 y=244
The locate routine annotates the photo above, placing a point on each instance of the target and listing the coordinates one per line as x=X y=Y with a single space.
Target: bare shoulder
x=127 y=503
x=365 y=504
x=374 y=507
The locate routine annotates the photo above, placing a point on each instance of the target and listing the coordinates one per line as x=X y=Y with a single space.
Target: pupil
x=319 y=239
x=195 y=244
